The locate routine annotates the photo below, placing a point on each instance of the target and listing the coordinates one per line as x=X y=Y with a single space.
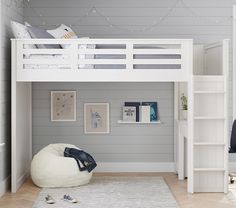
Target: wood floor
x=27 y=194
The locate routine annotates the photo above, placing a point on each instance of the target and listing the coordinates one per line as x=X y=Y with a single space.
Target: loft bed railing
x=91 y=60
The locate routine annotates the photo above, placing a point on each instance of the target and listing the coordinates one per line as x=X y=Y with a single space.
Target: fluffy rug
x=113 y=192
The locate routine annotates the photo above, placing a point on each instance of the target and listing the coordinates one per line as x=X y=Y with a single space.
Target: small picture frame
x=129 y=113
x=63 y=105
x=96 y=118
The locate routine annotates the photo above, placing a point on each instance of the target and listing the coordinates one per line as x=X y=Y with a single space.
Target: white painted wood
x=209 y=92
x=182 y=154
x=21 y=129
x=72 y=62
x=234 y=61
x=209 y=170
x=1 y=147
x=208 y=144
x=191 y=129
x=226 y=68
x=210 y=135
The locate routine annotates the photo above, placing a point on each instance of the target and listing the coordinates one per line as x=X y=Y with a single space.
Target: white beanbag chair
x=49 y=168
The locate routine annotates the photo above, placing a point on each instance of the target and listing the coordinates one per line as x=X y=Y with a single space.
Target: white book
x=129 y=113
x=144 y=113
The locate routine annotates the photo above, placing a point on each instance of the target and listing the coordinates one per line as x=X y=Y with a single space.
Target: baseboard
x=4 y=186
x=21 y=180
x=135 y=167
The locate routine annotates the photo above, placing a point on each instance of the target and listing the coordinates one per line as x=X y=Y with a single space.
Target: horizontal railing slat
x=157 y=61
x=158 y=51
x=102 y=51
x=102 y=61
x=46 y=51
x=46 y=61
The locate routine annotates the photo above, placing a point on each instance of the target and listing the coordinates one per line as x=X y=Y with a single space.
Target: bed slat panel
x=159 y=57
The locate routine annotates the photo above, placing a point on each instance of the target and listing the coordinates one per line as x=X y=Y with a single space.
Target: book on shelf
x=154 y=113
x=136 y=105
x=129 y=113
x=144 y=113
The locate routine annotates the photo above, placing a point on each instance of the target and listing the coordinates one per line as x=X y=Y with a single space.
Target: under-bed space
x=111 y=59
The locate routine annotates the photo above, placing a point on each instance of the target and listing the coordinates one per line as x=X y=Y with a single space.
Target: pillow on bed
x=20 y=32
x=39 y=33
x=63 y=32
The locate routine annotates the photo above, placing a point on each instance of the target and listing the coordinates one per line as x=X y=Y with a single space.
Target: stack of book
x=140 y=112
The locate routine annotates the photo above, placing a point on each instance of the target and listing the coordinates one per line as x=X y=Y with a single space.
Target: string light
x=93 y=10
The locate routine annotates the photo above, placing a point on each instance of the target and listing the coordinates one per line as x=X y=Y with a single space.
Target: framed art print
x=63 y=105
x=96 y=118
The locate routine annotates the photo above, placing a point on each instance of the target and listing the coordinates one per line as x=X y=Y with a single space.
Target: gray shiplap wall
x=8 y=12
x=204 y=21
x=125 y=143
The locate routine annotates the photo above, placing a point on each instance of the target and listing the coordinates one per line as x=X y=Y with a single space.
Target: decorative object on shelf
x=184 y=103
x=96 y=118
x=154 y=114
x=136 y=105
x=129 y=113
x=63 y=105
x=144 y=113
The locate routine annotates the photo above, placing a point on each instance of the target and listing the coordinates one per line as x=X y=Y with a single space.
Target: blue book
x=154 y=115
x=135 y=104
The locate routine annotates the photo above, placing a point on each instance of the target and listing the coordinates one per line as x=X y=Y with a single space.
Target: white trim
x=21 y=180
x=2 y=145
x=70 y=72
x=234 y=61
x=4 y=186
x=232 y=167
x=136 y=167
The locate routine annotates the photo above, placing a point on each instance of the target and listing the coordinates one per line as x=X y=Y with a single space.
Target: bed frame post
x=190 y=121
x=21 y=121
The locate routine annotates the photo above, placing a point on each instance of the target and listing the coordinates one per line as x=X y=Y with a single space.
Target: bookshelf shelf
x=133 y=122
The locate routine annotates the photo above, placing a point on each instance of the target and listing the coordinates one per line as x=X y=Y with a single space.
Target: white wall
x=8 y=12
x=204 y=21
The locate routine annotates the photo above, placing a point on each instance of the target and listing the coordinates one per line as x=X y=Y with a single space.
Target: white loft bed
x=124 y=60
